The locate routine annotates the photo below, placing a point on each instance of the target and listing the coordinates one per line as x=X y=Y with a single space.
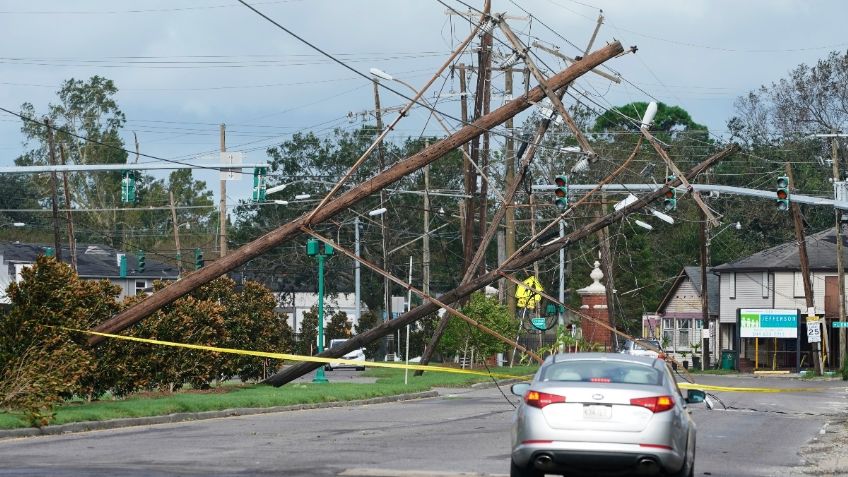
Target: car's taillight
x=540 y=399
x=654 y=403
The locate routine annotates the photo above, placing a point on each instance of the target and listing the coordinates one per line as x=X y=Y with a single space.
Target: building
x=679 y=320
x=772 y=279
x=94 y=262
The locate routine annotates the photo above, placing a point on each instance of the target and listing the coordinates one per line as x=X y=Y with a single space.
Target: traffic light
x=670 y=201
x=139 y=257
x=561 y=191
x=128 y=187
x=782 y=200
x=198 y=259
x=259 y=178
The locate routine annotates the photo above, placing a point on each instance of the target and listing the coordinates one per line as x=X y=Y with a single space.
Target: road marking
x=411 y=473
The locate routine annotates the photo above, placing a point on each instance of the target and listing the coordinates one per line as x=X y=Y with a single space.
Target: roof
x=693 y=274
x=93 y=261
x=821 y=253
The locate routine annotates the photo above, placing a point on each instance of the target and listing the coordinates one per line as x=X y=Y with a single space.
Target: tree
x=669 y=119
x=308 y=339
x=337 y=328
x=42 y=359
x=367 y=321
x=461 y=338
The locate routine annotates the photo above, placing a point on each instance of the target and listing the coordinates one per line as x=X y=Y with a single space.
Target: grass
x=389 y=382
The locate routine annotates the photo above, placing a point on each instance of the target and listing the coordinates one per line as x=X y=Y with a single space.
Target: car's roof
x=561 y=357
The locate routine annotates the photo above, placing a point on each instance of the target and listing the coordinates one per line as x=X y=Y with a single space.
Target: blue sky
x=183 y=67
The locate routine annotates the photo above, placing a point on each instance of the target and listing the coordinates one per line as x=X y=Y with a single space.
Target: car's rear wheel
x=327 y=367
x=688 y=469
x=517 y=471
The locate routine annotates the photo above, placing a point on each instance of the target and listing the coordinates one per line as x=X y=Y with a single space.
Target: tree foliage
x=461 y=338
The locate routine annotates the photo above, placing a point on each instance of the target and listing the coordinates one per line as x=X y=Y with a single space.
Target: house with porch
x=772 y=279
x=679 y=321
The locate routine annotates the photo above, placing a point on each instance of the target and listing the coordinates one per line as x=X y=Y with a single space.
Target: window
x=140 y=285
x=597 y=371
x=699 y=324
x=668 y=331
x=765 y=284
x=732 y=285
x=683 y=331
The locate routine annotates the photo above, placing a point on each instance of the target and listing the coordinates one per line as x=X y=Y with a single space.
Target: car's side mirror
x=695 y=396
x=519 y=389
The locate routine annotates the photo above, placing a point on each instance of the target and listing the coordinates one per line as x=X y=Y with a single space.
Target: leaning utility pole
x=805 y=267
x=351 y=197
x=387 y=286
x=509 y=216
x=176 y=233
x=72 y=243
x=840 y=265
x=523 y=258
x=222 y=216
x=57 y=243
x=703 y=233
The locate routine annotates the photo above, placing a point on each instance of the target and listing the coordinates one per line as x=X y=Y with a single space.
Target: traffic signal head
x=561 y=191
x=670 y=201
x=128 y=195
x=140 y=264
x=259 y=186
x=198 y=259
x=782 y=186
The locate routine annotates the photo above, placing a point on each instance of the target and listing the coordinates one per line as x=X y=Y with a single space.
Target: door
x=831 y=297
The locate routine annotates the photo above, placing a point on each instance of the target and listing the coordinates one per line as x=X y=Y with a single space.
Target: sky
x=185 y=66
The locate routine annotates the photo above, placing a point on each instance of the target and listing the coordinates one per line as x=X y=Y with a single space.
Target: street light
x=314 y=248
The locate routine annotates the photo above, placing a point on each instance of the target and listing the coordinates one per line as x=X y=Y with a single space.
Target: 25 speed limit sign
x=813 y=332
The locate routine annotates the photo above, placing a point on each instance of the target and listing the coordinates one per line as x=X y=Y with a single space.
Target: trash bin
x=728 y=359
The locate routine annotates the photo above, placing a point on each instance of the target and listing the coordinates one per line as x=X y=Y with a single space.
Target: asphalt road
x=464 y=430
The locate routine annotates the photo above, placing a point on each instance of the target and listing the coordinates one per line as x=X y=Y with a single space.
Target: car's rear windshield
x=602 y=371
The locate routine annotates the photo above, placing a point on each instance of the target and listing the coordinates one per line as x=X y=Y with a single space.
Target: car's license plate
x=597 y=412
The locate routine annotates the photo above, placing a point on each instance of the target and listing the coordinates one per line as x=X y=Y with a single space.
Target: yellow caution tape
x=297 y=357
x=707 y=387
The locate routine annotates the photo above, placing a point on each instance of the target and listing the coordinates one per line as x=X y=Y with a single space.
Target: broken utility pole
x=350 y=198
x=516 y=262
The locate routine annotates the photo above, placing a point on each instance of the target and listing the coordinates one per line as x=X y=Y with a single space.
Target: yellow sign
x=527 y=295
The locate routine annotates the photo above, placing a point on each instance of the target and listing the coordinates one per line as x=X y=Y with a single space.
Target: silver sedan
x=603 y=413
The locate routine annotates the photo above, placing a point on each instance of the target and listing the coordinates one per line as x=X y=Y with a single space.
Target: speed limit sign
x=813 y=332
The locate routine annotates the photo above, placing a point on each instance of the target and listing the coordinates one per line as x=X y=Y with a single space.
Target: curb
x=501 y=382
x=86 y=426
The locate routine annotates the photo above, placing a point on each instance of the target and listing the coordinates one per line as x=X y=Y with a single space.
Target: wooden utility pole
x=840 y=265
x=57 y=242
x=425 y=244
x=509 y=216
x=703 y=235
x=72 y=243
x=484 y=76
x=176 y=233
x=351 y=197
x=805 y=266
x=519 y=261
x=387 y=290
x=222 y=217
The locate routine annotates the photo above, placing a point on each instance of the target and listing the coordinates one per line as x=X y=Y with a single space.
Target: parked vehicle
x=597 y=413
x=357 y=354
x=643 y=347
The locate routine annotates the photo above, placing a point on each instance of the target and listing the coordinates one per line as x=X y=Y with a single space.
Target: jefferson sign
x=768 y=323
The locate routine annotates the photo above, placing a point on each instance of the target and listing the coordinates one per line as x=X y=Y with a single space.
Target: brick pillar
x=595 y=305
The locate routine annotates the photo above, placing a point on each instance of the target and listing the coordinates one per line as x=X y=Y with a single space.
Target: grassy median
x=229 y=396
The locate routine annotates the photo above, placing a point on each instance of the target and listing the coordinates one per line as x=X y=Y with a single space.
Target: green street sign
x=840 y=324
x=539 y=323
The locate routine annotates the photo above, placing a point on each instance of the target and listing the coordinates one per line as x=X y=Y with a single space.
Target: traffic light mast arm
x=695 y=194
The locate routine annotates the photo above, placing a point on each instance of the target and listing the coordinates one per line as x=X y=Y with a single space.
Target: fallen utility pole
x=409 y=288
x=515 y=262
x=350 y=198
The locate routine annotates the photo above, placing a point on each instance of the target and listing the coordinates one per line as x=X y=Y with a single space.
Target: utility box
x=312 y=247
